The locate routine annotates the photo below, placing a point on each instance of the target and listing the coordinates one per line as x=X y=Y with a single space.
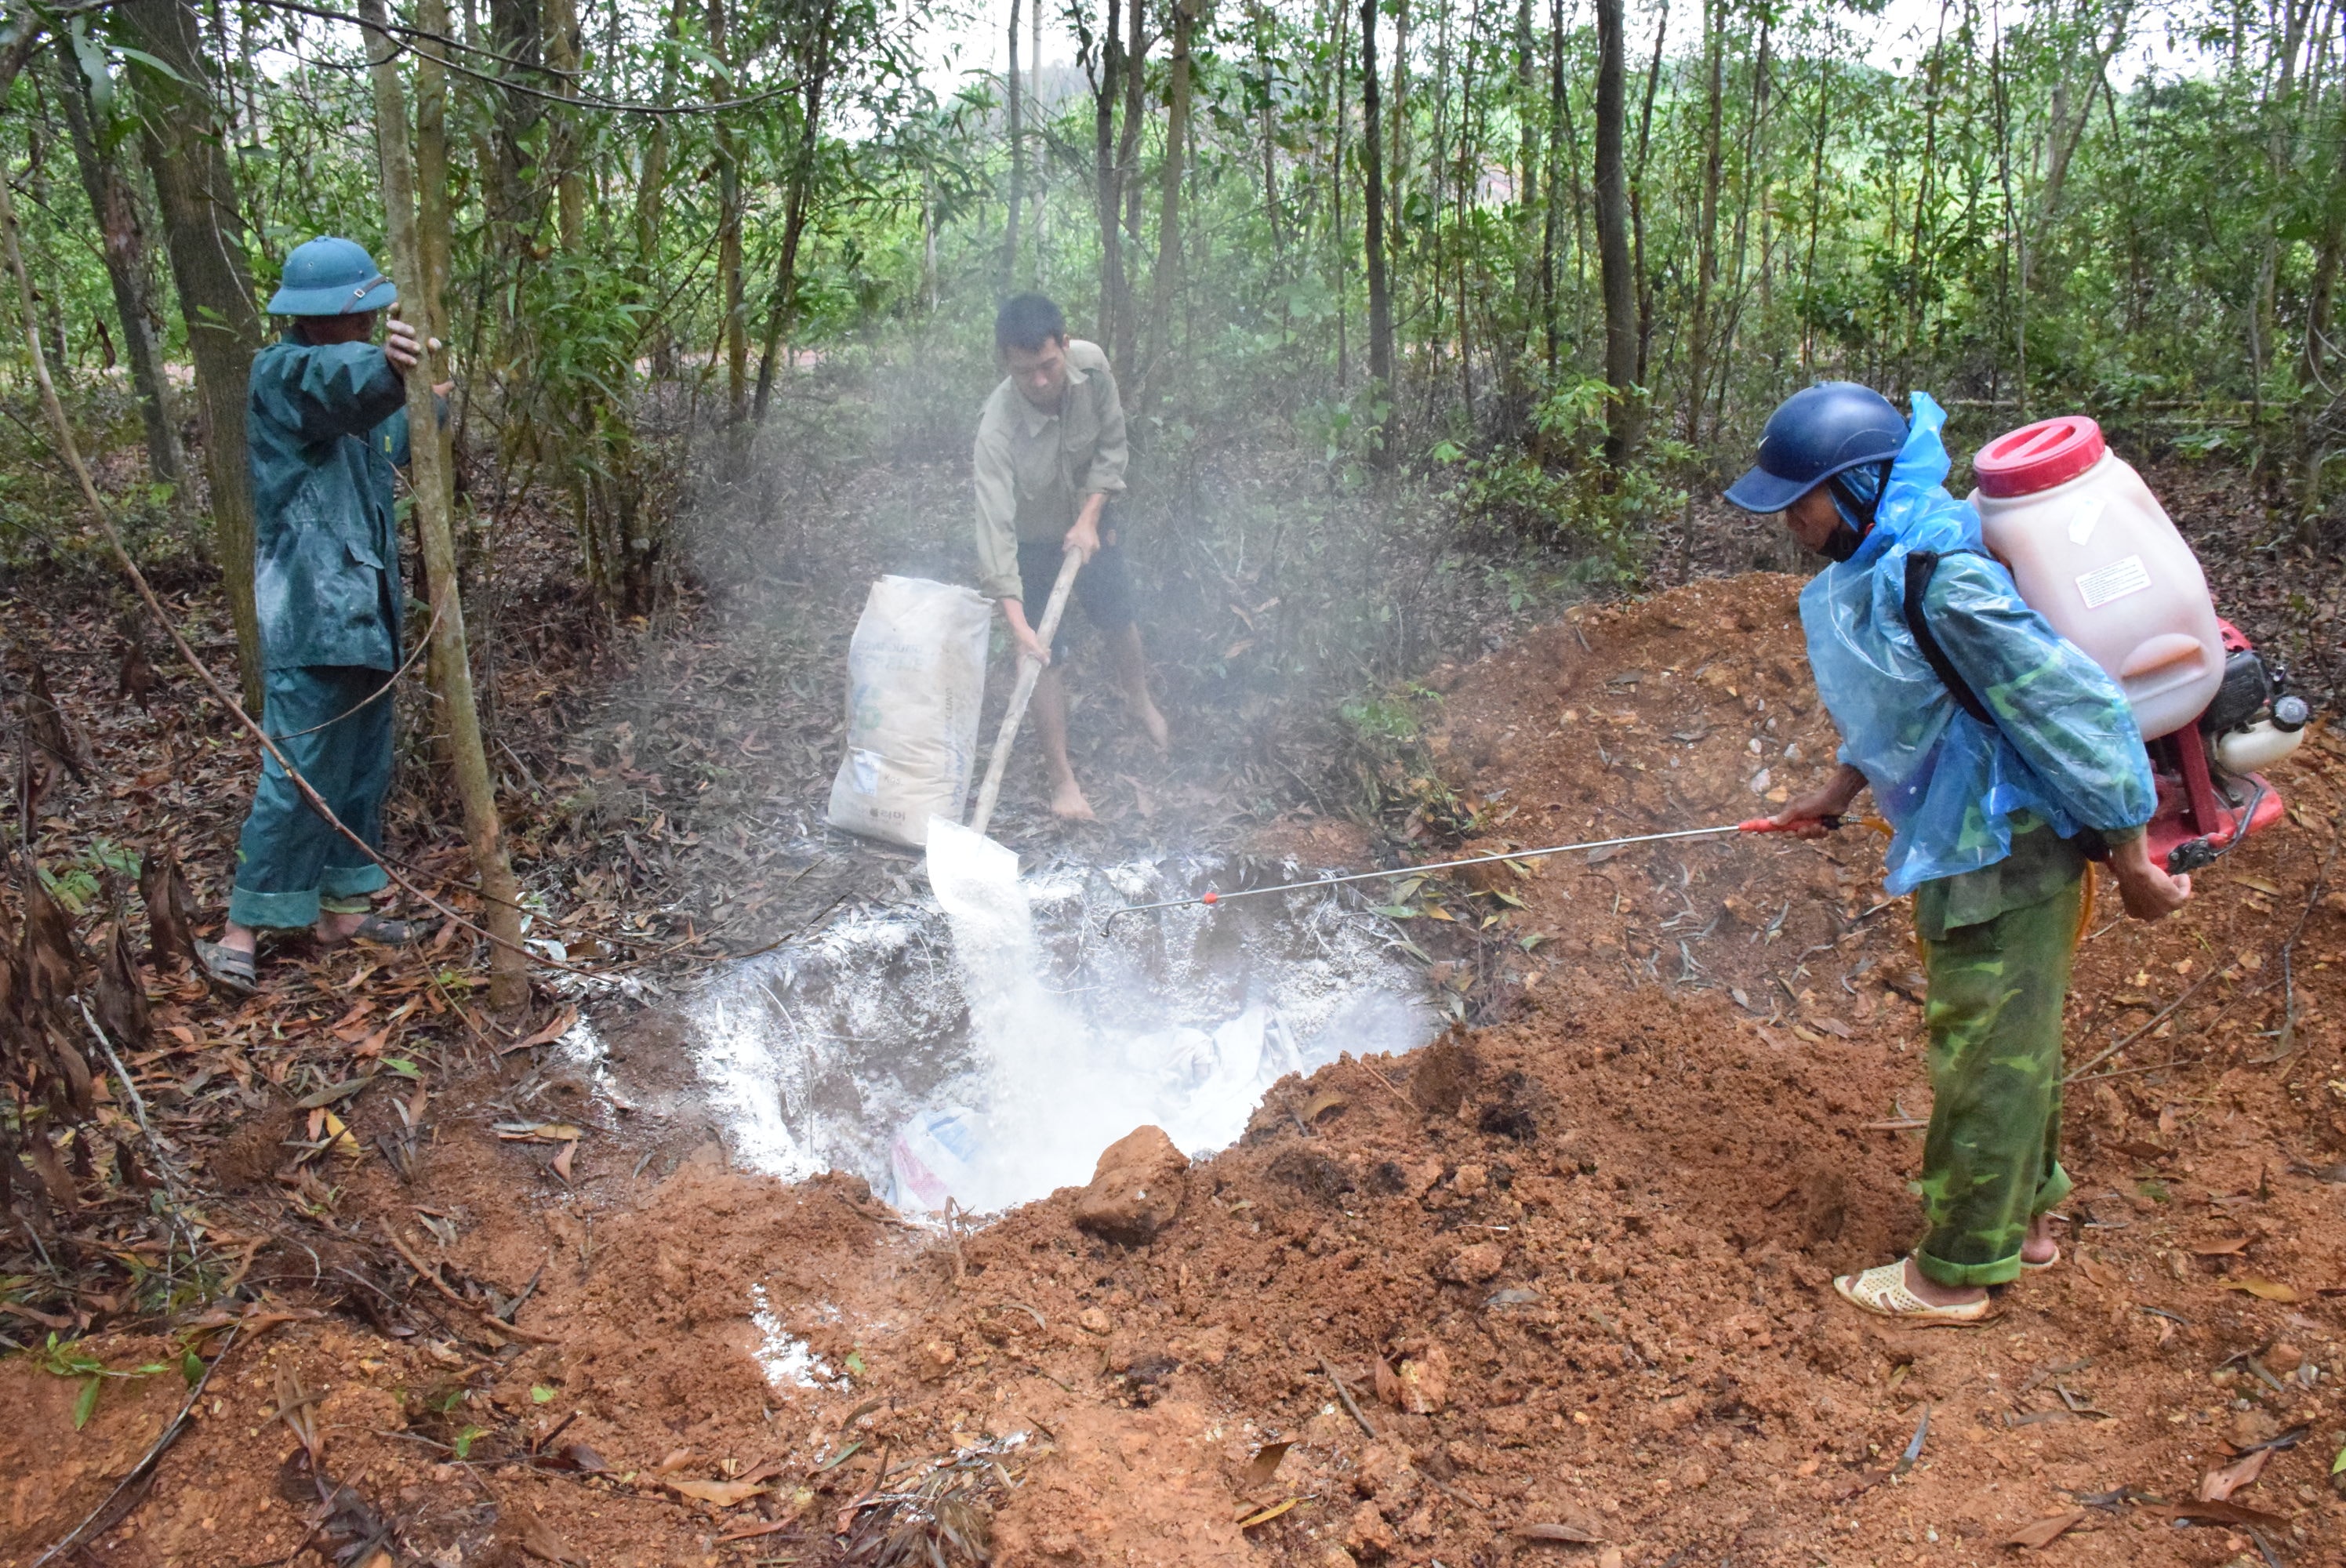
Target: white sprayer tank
x=2095 y=553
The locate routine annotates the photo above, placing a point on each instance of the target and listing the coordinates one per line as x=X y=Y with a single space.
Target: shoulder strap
x=1920 y=566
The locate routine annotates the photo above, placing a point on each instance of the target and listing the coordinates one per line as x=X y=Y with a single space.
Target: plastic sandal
x=389 y=933
x=226 y=968
x=1882 y=1292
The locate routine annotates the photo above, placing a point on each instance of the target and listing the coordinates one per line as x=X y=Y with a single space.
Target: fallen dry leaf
x=2230 y=1246
x=2099 y=1272
x=2043 y=1532
x=338 y=1137
x=2220 y=1484
x=1265 y=1463
x=1268 y=1514
x=2220 y=1514
x=2264 y=1291
x=562 y=1160
x=537 y=1538
x=538 y=1132
x=1323 y=1104
x=552 y=1032
x=723 y=1493
x=1569 y=1529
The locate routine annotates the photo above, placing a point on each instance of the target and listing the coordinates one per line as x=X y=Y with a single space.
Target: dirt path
x=1572 y=1270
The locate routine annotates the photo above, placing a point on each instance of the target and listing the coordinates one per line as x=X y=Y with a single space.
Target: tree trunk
x=1613 y=236
x=1549 y=191
x=1395 y=111
x=1126 y=348
x=564 y=145
x=728 y=242
x=1645 y=285
x=435 y=226
x=179 y=121
x=1167 y=276
x=1260 y=14
x=651 y=201
x=1816 y=222
x=2315 y=400
x=430 y=482
x=1107 y=196
x=513 y=197
x=1033 y=117
x=2066 y=133
x=1529 y=229
x=1373 y=225
x=436 y=239
x=1343 y=280
x=815 y=78
x=1706 y=267
x=1017 y=156
x=115 y=203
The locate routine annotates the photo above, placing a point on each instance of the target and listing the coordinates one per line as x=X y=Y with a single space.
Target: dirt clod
x=1136 y=1191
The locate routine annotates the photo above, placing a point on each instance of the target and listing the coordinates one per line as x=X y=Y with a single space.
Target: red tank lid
x=2038 y=456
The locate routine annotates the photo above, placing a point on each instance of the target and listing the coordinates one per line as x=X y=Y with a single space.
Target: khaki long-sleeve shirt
x=1034 y=468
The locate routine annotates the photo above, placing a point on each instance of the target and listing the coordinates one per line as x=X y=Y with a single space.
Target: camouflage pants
x=1990 y=1159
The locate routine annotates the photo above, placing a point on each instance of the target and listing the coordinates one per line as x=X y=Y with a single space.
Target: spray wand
x=1755 y=825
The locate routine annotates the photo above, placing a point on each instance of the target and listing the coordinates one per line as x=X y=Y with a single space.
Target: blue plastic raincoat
x=2065 y=746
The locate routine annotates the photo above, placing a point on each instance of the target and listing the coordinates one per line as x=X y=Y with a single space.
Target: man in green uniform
x=325 y=423
x=2000 y=755
x=1050 y=463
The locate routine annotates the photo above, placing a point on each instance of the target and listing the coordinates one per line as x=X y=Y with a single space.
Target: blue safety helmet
x=1828 y=429
x=331 y=277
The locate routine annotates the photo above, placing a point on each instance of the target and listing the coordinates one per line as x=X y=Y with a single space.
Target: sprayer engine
x=2211 y=793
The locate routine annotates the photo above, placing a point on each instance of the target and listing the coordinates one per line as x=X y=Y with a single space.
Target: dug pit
x=900 y=1040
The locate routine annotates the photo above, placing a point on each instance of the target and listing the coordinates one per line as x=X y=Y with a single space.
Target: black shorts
x=1103 y=587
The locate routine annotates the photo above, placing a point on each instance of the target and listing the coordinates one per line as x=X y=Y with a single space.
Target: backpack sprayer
x=2093 y=553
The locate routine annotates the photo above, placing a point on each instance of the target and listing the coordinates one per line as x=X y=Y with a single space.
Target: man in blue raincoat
x=325 y=423
x=2002 y=756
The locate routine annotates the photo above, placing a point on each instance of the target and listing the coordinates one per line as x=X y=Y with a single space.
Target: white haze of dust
x=1055 y=1091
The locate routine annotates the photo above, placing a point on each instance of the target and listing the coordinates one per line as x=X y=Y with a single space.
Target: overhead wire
x=408 y=37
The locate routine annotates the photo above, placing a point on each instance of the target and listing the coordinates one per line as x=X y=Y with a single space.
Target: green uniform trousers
x=287 y=858
x=1991 y=1158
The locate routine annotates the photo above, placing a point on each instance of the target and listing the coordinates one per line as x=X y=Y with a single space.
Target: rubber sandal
x=385 y=932
x=225 y=967
x=1882 y=1291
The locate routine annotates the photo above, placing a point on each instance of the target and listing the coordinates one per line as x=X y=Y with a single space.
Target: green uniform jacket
x=324 y=425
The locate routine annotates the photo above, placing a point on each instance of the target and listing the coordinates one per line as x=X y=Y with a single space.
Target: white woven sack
x=915 y=677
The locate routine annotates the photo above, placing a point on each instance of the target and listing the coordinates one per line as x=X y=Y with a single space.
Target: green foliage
x=69 y=1359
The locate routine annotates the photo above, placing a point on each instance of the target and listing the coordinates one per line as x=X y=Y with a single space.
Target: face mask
x=1841 y=542
x=1854 y=525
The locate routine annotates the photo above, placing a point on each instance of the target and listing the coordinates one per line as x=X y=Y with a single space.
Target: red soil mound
x=1571 y=1271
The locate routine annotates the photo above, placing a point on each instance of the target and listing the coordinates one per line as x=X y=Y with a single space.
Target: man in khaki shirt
x=1050 y=455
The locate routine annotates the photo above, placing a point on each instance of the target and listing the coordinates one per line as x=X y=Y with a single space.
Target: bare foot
x=333 y=930
x=241 y=939
x=1153 y=722
x=1938 y=1295
x=1067 y=800
x=2040 y=1248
